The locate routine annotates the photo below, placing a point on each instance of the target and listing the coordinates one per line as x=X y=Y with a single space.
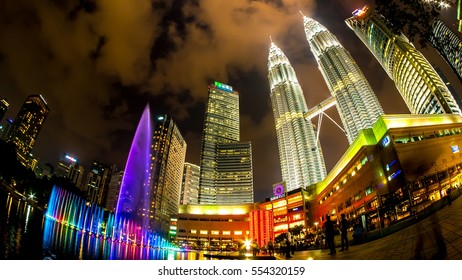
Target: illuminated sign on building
x=386 y=141
x=455 y=149
x=71 y=158
x=224 y=87
x=392 y=176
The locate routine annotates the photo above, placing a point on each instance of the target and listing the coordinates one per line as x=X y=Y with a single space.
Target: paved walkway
x=436 y=237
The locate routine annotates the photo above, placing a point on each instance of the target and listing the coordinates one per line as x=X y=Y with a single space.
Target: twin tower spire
x=302 y=161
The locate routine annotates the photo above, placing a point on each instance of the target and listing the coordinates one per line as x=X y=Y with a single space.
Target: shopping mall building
x=391 y=171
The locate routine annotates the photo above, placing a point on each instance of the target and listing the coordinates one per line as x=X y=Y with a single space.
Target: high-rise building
x=221 y=127
x=3 y=107
x=97 y=182
x=113 y=189
x=168 y=153
x=420 y=86
x=6 y=129
x=69 y=167
x=448 y=44
x=27 y=125
x=357 y=104
x=302 y=161
x=190 y=184
x=446 y=81
x=234 y=180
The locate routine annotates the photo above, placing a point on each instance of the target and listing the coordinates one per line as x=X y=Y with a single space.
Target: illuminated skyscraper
x=302 y=162
x=69 y=167
x=449 y=45
x=151 y=184
x=113 y=189
x=357 y=104
x=168 y=154
x=97 y=183
x=27 y=125
x=220 y=147
x=190 y=184
x=420 y=86
x=3 y=107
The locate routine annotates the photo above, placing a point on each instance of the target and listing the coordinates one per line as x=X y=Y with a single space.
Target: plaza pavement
x=438 y=236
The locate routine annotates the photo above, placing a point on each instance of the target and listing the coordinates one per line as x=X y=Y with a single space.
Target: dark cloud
x=98 y=63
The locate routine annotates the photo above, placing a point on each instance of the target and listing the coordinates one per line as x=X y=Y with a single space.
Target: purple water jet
x=133 y=202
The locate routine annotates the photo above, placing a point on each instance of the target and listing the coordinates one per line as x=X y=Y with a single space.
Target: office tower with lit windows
x=234 y=180
x=190 y=184
x=302 y=161
x=27 y=125
x=3 y=107
x=420 y=86
x=220 y=147
x=448 y=44
x=69 y=167
x=168 y=153
x=113 y=189
x=357 y=104
x=97 y=183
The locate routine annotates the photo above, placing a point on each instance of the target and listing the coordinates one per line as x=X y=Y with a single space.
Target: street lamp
x=316 y=225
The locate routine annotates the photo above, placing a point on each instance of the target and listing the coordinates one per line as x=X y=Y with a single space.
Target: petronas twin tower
x=420 y=86
x=301 y=157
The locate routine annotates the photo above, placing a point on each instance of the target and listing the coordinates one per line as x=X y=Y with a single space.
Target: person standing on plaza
x=329 y=225
x=343 y=232
x=288 y=242
x=270 y=247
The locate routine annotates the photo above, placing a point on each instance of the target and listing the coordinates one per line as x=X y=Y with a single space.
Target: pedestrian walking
x=343 y=232
x=329 y=225
x=270 y=247
x=288 y=241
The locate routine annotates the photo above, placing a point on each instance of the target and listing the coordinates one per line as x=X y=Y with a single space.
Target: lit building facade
x=69 y=167
x=97 y=183
x=3 y=107
x=357 y=104
x=168 y=153
x=234 y=181
x=113 y=190
x=422 y=89
x=220 y=146
x=448 y=44
x=212 y=227
x=261 y=226
x=289 y=209
x=302 y=161
x=400 y=166
x=190 y=184
x=27 y=125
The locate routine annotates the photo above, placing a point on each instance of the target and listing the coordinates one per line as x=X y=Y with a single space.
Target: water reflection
x=26 y=234
x=63 y=242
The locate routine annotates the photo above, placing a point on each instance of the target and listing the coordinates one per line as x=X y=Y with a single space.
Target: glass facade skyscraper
x=302 y=161
x=27 y=125
x=220 y=147
x=357 y=104
x=448 y=44
x=190 y=184
x=3 y=108
x=420 y=86
x=168 y=153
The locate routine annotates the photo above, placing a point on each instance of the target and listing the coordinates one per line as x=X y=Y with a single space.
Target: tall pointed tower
x=302 y=162
x=357 y=104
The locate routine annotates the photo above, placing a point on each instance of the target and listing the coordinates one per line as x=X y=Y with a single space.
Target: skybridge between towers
x=318 y=110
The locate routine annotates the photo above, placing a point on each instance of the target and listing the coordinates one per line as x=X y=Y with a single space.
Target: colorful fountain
x=129 y=223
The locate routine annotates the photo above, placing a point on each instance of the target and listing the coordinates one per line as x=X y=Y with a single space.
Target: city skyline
x=96 y=101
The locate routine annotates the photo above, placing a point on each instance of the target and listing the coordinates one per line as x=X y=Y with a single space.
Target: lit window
x=193 y=231
x=203 y=231
x=215 y=232
x=238 y=232
x=226 y=232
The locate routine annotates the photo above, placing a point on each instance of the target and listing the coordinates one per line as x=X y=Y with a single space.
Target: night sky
x=97 y=64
